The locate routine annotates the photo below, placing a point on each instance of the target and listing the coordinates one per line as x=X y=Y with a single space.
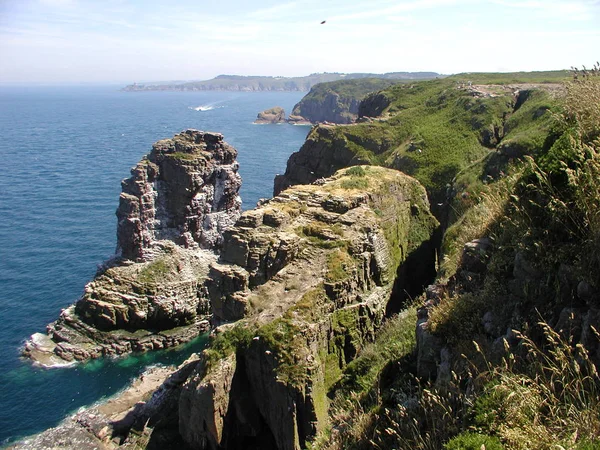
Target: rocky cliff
x=430 y=130
x=337 y=101
x=184 y=190
x=171 y=216
x=304 y=283
x=310 y=276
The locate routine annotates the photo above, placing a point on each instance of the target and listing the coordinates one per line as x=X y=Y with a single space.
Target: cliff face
x=331 y=108
x=185 y=190
x=431 y=130
x=311 y=275
x=326 y=150
x=337 y=101
x=172 y=213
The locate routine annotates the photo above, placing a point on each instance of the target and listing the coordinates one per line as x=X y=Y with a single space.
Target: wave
x=206 y=107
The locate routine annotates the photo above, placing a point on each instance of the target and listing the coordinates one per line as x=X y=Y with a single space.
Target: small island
x=271 y=115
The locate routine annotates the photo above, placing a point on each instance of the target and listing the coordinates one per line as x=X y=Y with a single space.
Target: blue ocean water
x=63 y=153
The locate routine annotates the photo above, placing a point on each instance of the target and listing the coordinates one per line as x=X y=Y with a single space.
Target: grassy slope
x=433 y=130
x=547 y=208
x=352 y=89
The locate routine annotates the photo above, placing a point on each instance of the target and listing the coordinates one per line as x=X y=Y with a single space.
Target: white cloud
x=562 y=9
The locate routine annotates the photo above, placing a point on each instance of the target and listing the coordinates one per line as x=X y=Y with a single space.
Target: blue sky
x=125 y=41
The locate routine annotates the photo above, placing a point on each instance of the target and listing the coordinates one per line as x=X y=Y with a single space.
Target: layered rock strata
x=271 y=115
x=184 y=190
x=308 y=276
x=152 y=295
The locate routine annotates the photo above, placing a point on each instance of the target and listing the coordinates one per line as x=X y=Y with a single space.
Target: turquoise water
x=63 y=153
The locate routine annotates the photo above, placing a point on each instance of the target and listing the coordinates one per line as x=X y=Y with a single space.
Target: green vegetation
x=435 y=129
x=285 y=340
x=182 y=156
x=356 y=389
x=157 y=270
x=228 y=342
x=355 y=183
x=340 y=265
x=538 y=198
x=551 y=76
x=355 y=89
x=395 y=340
x=323 y=235
x=474 y=441
x=356 y=171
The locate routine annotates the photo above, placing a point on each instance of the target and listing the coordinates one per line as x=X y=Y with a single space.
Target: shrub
x=356 y=171
x=474 y=441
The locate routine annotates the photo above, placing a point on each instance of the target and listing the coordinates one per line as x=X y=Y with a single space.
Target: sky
x=126 y=41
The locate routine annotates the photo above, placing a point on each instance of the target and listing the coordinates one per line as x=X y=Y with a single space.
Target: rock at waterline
x=271 y=115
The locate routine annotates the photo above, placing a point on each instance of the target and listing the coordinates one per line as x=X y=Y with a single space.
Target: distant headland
x=271 y=83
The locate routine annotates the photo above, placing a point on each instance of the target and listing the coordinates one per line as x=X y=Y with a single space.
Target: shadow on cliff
x=416 y=273
x=245 y=428
x=156 y=419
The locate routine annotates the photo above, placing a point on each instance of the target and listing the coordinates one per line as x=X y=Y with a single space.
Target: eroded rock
x=172 y=214
x=311 y=271
x=184 y=190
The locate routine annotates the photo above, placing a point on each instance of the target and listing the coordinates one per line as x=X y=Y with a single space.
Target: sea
x=63 y=153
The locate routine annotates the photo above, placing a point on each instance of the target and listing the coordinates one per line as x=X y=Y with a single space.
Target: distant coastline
x=270 y=83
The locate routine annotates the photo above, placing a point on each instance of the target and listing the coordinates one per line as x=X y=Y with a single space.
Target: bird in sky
x=323 y=22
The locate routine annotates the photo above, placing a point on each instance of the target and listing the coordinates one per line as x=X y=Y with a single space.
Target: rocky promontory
x=271 y=115
x=336 y=101
x=171 y=216
x=303 y=282
x=309 y=276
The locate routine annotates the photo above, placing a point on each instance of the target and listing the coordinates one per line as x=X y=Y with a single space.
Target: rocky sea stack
x=271 y=115
x=171 y=215
x=185 y=190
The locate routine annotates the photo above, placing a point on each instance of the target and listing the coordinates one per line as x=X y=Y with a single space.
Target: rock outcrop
x=126 y=421
x=173 y=210
x=298 y=120
x=308 y=276
x=184 y=190
x=271 y=115
x=325 y=151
